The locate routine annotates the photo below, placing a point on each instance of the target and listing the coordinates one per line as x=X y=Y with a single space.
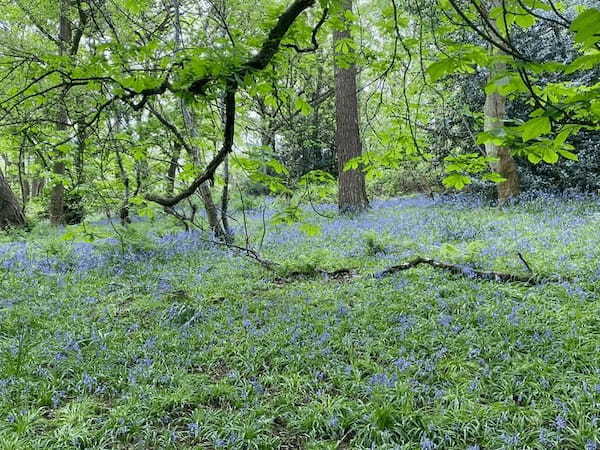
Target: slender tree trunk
x=23 y=181
x=124 y=210
x=172 y=172
x=495 y=107
x=352 y=195
x=80 y=158
x=122 y=173
x=495 y=112
x=11 y=213
x=225 y=197
x=57 y=197
x=317 y=159
x=212 y=214
x=37 y=186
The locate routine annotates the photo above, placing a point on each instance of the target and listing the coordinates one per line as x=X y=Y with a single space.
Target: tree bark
x=352 y=195
x=23 y=181
x=57 y=197
x=11 y=213
x=172 y=172
x=225 y=197
x=506 y=167
x=495 y=112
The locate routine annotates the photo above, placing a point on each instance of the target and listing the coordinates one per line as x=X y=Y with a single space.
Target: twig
x=522 y=258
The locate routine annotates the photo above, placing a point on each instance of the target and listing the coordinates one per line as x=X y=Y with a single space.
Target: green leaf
x=137 y=200
x=310 y=229
x=494 y=177
x=353 y=164
x=550 y=155
x=595 y=107
x=136 y=6
x=303 y=106
x=456 y=181
x=584 y=62
x=586 y=27
x=440 y=69
x=525 y=20
x=567 y=154
x=534 y=158
x=534 y=128
x=277 y=167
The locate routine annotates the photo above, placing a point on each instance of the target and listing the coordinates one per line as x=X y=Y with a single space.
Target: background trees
x=137 y=106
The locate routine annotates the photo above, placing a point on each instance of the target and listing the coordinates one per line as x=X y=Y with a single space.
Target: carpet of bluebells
x=177 y=343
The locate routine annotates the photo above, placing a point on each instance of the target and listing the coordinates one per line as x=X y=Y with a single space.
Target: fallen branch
x=340 y=274
x=462 y=270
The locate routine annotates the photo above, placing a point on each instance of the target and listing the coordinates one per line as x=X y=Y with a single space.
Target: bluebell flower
x=560 y=423
x=193 y=428
x=427 y=444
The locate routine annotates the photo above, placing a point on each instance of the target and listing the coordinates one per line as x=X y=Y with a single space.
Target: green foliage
x=309 y=264
x=585 y=27
x=535 y=128
x=373 y=243
x=460 y=169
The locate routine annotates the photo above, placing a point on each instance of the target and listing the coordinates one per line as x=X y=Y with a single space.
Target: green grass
x=205 y=349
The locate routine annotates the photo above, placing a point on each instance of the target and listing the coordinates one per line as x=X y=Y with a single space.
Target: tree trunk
x=172 y=172
x=212 y=213
x=495 y=112
x=11 y=214
x=57 y=197
x=225 y=197
x=23 y=181
x=37 y=186
x=495 y=106
x=352 y=195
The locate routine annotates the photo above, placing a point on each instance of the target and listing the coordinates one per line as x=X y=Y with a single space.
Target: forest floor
x=167 y=341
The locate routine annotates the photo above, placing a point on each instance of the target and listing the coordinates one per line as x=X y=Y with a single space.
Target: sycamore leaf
x=353 y=164
x=137 y=200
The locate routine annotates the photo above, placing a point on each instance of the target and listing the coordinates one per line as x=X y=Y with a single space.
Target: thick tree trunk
x=57 y=197
x=212 y=213
x=11 y=214
x=352 y=195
